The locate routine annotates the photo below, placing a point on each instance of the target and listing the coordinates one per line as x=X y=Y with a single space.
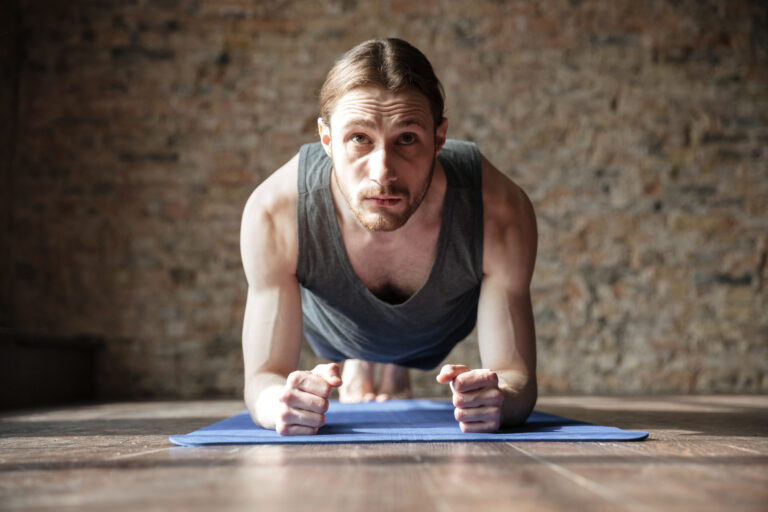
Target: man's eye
x=407 y=138
x=360 y=139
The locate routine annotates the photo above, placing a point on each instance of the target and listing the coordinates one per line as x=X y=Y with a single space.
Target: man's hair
x=392 y=64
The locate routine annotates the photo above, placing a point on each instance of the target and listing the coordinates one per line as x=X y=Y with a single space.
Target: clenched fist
x=476 y=397
x=304 y=400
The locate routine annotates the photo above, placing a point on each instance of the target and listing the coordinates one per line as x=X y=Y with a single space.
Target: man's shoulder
x=503 y=199
x=509 y=219
x=268 y=229
x=276 y=195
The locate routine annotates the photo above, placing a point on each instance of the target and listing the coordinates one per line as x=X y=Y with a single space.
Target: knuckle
x=294 y=378
x=286 y=396
x=315 y=420
x=282 y=428
x=284 y=416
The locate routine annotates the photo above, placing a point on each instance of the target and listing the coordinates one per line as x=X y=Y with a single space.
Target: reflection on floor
x=704 y=452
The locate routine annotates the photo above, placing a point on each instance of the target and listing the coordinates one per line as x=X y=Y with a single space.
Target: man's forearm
x=262 y=392
x=520 y=393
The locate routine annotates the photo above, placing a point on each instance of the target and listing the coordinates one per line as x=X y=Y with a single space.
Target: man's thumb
x=450 y=372
x=330 y=372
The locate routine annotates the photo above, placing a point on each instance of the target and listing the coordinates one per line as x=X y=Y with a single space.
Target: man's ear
x=325 y=135
x=440 y=135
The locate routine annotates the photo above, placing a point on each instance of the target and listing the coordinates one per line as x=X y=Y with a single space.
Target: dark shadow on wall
x=9 y=86
x=36 y=371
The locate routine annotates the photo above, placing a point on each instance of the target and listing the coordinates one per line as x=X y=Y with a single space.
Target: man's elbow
x=519 y=407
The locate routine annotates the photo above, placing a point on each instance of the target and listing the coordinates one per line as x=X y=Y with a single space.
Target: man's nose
x=381 y=170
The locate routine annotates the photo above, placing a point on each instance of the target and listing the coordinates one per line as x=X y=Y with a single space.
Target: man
x=386 y=243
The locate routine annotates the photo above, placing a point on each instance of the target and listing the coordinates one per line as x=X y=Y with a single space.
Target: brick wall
x=638 y=129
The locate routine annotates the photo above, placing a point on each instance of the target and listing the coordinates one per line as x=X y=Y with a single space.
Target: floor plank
x=704 y=453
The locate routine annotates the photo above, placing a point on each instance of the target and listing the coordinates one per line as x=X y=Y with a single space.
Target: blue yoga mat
x=400 y=421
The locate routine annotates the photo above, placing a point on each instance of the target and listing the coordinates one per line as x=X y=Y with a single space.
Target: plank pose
x=385 y=242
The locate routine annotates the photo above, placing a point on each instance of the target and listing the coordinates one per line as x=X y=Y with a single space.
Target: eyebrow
x=359 y=121
x=410 y=122
x=363 y=122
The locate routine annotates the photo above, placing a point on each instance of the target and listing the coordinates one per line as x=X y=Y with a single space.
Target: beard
x=378 y=219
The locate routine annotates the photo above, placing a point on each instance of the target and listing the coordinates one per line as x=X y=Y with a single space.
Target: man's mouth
x=384 y=200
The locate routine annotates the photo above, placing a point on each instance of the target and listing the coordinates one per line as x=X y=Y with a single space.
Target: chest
x=395 y=271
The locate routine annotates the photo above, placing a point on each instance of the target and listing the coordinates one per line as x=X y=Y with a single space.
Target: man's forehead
x=374 y=103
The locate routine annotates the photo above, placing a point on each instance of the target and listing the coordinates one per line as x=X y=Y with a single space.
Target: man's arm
x=507 y=342
x=277 y=396
x=505 y=327
x=505 y=392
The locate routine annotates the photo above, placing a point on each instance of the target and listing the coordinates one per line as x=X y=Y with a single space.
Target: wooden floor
x=704 y=453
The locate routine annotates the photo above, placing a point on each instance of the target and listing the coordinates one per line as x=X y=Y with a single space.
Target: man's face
x=383 y=147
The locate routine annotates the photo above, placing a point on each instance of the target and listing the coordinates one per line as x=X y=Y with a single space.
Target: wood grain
x=704 y=453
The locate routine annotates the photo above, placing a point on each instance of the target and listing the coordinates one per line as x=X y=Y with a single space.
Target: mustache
x=379 y=190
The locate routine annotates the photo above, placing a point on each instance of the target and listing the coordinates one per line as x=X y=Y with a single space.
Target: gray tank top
x=343 y=319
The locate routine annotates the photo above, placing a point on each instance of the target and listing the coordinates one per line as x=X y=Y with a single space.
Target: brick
x=638 y=130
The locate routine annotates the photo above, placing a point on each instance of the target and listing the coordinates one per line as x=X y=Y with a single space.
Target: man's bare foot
x=394 y=383
x=357 y=381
